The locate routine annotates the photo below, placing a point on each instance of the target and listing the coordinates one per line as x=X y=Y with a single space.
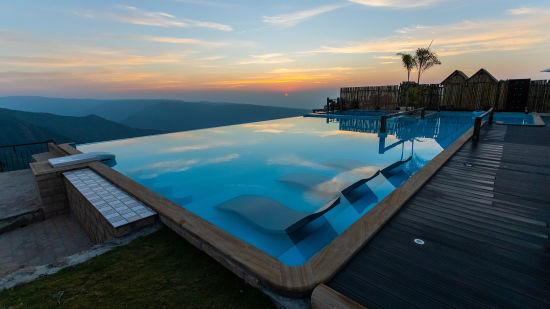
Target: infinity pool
x=247 y=179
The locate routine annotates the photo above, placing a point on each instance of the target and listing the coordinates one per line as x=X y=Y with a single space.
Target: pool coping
x=259 y=268
x=325 y=297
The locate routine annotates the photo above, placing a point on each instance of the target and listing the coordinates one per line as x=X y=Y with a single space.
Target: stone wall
x=52 y=194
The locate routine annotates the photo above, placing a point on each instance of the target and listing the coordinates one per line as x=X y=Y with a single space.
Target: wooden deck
x=484 y=222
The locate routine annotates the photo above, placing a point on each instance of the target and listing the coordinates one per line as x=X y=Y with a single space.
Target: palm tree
x=409 y=62
x=425 y=59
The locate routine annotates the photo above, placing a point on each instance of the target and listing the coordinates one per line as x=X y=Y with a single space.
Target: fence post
x=422 y=113
x=491 y=117
x=477 y=128
x=383 y=124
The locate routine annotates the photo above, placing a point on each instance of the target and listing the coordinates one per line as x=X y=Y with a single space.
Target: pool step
x=102 y=209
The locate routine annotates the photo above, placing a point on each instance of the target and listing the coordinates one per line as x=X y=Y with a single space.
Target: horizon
x=251 y=53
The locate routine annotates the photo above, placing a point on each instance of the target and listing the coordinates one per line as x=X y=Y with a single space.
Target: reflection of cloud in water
x=365 y=171
x=268 y=127
x=268 y=131
x=293 y=160
x=339 y=132
x=227 y=158
x=342 y=180
x=217 y=131
x=178 y=165
x=328 y=133
x=195 y=147
x=171 y=165
x=353 y=166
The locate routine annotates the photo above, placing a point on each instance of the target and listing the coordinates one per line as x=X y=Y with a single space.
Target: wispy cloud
x=292 y=19
x=192 y=41
x=212 y=58
x=403 y=4
x=521 y=11
x=88 y=57
x=302 y=70
x=207 y=3
x=520 y=33
x=272 y=58
x=133 y=15
x=387 y=57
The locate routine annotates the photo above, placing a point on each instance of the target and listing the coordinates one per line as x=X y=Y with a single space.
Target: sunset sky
x=256 y=51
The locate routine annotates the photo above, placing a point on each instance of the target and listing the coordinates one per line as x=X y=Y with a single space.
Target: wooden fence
x=466 y=96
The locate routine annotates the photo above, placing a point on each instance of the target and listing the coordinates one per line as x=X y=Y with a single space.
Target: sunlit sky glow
x=256 y=51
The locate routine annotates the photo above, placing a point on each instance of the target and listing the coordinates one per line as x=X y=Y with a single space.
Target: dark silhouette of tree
x=425 y=59
x=409 y=62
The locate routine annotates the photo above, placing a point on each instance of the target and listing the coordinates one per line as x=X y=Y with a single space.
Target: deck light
x=418 y=241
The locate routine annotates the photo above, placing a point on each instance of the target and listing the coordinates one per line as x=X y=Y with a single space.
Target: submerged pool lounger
x=274 y=217
x=81 y=158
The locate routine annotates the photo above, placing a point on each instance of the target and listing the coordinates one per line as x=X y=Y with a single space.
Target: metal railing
x=478 y=123
x=17 y=157
x=384 y=118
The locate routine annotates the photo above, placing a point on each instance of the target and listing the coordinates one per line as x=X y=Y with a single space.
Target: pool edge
x=259 y=268
x=538 y=120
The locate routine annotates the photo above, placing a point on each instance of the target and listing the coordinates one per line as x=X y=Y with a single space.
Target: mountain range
x=31 y=119
x=17 y=127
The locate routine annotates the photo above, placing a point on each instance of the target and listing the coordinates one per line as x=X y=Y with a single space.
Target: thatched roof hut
x=457 y=77
x=482 y=76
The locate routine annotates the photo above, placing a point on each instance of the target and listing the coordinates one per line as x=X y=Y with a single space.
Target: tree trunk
x=408 y=75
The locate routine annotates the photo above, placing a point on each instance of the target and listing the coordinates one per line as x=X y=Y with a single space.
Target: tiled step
x=104 y=210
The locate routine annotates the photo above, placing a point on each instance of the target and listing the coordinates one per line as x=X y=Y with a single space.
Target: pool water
x=246 y=178
x=514 y=118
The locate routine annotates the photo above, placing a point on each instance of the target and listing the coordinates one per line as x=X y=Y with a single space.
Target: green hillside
x=23 y=127
x=15 y=131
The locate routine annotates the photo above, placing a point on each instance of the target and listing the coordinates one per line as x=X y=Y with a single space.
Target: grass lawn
x=160 y=270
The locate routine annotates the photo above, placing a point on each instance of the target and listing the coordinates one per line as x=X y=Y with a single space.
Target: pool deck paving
x=18 y=193
x=26 y=240
x=41 y=243
x=475 y=236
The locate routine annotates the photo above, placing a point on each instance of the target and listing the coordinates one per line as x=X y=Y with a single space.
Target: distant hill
x=175 y=116
x=14 y=131
x=58 y=106
x=140 y=111
x=118 y=110
x=24 y=127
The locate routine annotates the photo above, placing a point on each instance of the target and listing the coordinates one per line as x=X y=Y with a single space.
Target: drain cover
x=418 y=241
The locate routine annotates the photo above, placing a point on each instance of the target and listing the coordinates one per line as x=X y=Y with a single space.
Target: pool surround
x=257 y=267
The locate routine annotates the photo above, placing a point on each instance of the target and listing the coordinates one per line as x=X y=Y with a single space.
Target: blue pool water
x=296 y=165
x=514 y=118
x=502 y=118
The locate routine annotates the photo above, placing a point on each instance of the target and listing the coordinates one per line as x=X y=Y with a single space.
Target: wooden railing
x=384 y=118
x=479 y=123
x=18 y=156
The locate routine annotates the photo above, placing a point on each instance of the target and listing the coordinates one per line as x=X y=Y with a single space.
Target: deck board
x=484 y=218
